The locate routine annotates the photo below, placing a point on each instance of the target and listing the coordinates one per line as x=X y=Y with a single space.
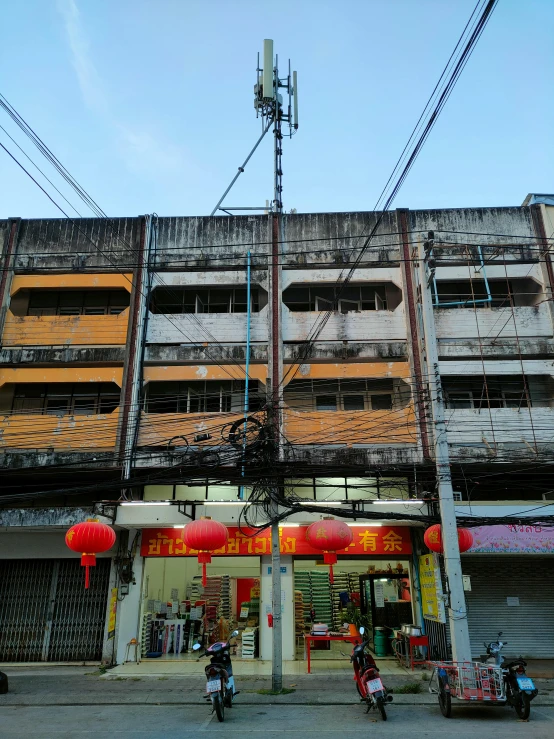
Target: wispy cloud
x=89 y=80
x=140 y=149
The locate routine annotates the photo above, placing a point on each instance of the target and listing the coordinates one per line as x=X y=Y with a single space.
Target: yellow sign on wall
x=431 y=588
x=113 y=611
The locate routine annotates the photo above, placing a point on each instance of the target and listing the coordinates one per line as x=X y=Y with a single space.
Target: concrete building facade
x=123 y=368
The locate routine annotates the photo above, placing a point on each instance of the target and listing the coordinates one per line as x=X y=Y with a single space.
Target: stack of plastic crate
x=302 y=583
x=321 y=596
x=299 y=624
x=249 y=642
x=340 y=585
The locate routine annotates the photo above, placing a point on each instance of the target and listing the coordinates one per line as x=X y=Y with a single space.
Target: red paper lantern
x=329 y=536
x=433 y=539
x=205 y=536
x=90 y=538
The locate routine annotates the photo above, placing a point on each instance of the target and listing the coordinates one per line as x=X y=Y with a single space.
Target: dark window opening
x=65 y=399
x=489 y=392
x=204 y=300
x=202 y=396
x=303 y=298
x=77 y=302
x=340 y=395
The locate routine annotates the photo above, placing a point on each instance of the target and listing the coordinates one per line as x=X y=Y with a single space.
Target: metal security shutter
x=47 y=615
x=529 y=627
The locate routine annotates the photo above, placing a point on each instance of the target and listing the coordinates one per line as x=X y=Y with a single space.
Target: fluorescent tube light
x=365 y=525
x=226 y=502
x=399 y=502
x=146 y=502
x=331 y=503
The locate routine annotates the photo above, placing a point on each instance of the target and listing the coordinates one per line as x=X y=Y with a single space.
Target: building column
x=287 y=605
x=128 y=624
x=9 y=251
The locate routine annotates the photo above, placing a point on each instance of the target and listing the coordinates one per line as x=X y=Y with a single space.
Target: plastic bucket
x=380 y=642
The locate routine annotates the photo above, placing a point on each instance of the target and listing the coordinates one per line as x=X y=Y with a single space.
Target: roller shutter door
x=46 y=615
x=529 y=627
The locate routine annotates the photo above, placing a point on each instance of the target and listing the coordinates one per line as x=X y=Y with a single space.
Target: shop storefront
x=509 y=574
x=372 y=586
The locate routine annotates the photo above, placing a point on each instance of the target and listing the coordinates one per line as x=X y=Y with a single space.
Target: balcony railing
x=65 y=330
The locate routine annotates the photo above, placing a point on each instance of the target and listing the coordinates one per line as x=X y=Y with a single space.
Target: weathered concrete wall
x=492 y=323
x=197 y=328
x=370 y=325
x=47 y=517
x=504 y=425
x=473 y=226
x=67 y=355
x=81 y=244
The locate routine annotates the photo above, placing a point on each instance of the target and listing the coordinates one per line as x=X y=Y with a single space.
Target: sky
x=149 y=103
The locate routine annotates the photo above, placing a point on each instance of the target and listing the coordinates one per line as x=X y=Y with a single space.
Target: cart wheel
x=445 y=700
x=522 y=705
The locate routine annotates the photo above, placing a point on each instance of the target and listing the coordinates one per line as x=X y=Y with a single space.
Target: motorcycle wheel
x=219 y=707
x=445 y=700
x=522 y=704
x=359 y=691
x=229 y=698
x=381 y=707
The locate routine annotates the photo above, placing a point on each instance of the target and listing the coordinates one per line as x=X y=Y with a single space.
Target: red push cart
x=467 y=681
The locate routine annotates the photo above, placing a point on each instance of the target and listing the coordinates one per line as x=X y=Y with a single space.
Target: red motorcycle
x=368 y=681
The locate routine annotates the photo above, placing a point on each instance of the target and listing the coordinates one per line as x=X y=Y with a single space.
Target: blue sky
x=149 y=103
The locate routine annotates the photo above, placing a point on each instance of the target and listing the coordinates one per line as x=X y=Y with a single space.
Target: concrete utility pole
x=457 y=612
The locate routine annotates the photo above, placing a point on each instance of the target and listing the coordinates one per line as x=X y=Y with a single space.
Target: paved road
x=266 y=722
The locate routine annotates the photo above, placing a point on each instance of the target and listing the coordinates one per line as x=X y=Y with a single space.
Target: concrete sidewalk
x=79 y=686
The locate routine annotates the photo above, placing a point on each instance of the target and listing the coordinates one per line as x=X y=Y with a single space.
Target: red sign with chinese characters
x=384 y=540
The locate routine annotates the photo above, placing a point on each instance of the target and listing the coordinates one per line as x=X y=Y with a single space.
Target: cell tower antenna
x=269 y=106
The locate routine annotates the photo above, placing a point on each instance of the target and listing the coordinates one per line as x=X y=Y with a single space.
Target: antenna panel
x=295 y=98
x=267 y=79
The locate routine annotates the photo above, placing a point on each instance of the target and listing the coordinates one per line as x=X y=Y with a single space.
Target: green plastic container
x=380 y=642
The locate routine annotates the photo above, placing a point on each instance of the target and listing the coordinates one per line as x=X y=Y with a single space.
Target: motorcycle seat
x=514 y=663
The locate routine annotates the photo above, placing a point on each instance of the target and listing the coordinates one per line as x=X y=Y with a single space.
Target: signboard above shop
x=390 y=540
x=512 y=539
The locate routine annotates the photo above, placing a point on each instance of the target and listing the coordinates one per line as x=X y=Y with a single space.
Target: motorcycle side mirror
x=196 y=647
x=362 y=630
x=235 y=633
x=499 y=634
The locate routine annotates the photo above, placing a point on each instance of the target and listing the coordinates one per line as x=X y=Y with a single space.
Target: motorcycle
x=220 y=685
x=520 y=689
x=368 y=682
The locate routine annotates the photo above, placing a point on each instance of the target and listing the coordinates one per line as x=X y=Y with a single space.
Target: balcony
x=359 y=312
x=61 y=317
x=63 y=433
x=59 y=416
x=65 y=330
x=349 y=412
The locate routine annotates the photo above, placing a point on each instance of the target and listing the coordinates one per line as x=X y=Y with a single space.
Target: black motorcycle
x=520 y=689
x=220 y=686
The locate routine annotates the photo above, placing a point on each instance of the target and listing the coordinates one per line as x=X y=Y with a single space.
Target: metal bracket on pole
x=241 y=169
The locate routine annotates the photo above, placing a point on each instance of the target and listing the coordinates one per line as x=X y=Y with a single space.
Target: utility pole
x=274 y=111
x=457 y=611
